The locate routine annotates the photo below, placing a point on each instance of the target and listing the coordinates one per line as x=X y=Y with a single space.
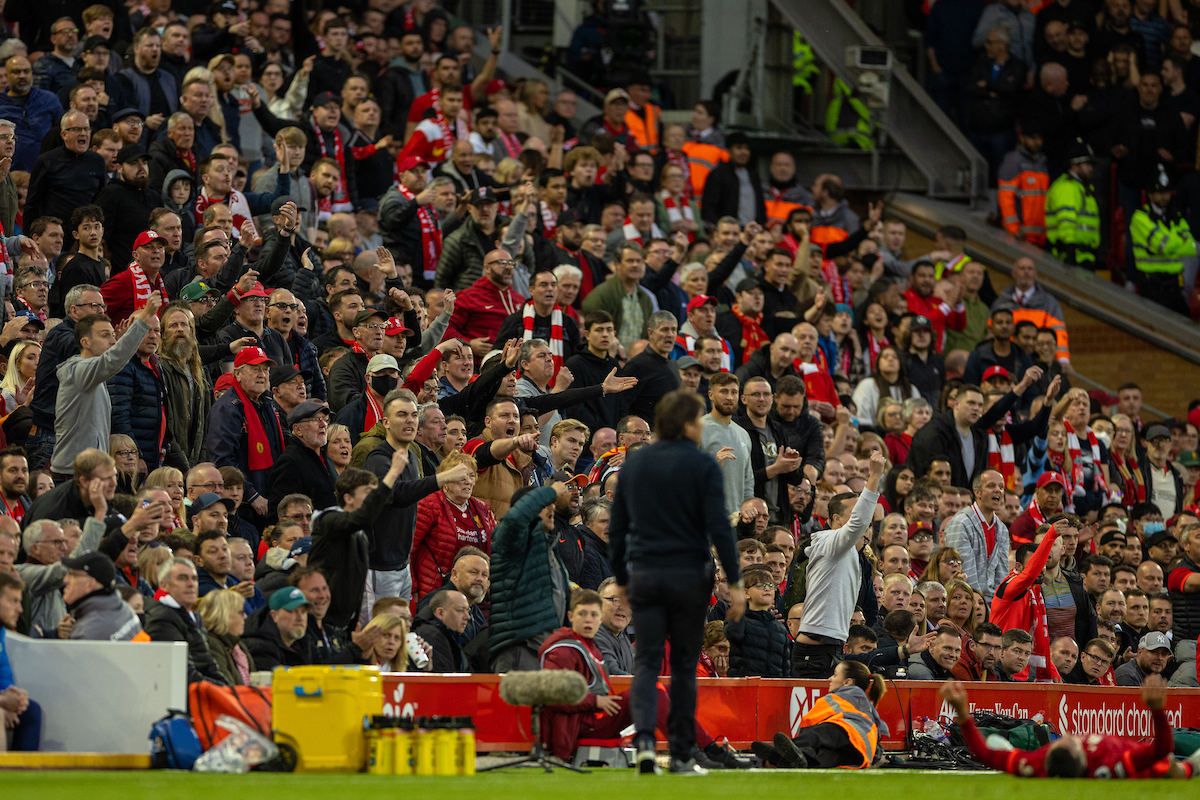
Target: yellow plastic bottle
x=445 y=742
x=466 y=745
x=422 y=749
x=402 y=748
x=378 y=761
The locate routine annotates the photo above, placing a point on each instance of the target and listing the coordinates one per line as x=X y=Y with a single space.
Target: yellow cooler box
x=319 y=711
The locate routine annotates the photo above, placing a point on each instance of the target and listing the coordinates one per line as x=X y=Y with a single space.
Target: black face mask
x=382 y=384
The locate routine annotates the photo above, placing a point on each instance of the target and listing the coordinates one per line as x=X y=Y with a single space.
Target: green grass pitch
x=536 y=785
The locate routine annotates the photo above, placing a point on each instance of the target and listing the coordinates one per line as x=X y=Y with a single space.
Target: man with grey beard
x=470 y=575
x=188 y=393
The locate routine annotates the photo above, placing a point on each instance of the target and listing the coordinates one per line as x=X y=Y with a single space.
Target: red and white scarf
x=142 y=287
x=239 y=207
x=688 y=343
x=874 y=346
x=374 y=412
x=839 y=285
x=431 y=234
x=1039 y=629
x=1074 y=450
x=556 y=332
x=677 y=211
x=753 y=335
x=340 y=200
x=1035 y=514
x=1001 y=458
x=632 y=234
x=549 y=219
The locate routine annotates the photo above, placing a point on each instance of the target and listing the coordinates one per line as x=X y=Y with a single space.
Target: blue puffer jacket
x=138 y=398
x=34 y=115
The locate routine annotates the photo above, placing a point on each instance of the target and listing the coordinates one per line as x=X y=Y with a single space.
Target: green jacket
x=1072 y=221
x=1160 y=243
x=607 y=297
x=522 y=603
x=976 y=330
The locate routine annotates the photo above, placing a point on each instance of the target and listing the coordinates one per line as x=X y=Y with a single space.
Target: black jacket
x=595 y=560
x=342 y=548
x=391 y=542
x=126 y=214
x=330 y=643
x=758 y=365
x=994 y=105
x=395 y=94
x=448 y=654
x=265 y=645
x=656 y=377
x=167 y=624
x=759 y=646
x=63 y=180
x=721 y=192
x=300 y=469
x=589 y=370
x=928 y=375
x=347 y=380
x=570 y=545
x=62 y=502
x=1148 y=478
x=805 y=435
x=939 y=437
x=164 y=157
x=74 y=269
x=758 y=460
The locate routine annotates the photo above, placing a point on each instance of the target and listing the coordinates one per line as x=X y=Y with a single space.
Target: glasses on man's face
x=36 y=285
x=1101 y=662
x=67 y=30
x=97 y=307
x=375 y=326
x=299 y=517
x=212 y=486
x=8 y=137
x=281 y=306
x=78 y=129
x=501 y=262
x=55 y=543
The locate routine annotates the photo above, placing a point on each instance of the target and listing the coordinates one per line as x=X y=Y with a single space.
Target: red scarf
x=1035 y=513
x=688 y=343
x=873 y=347
x=556 y=332
x=1001 y=459
x=753 y=335
x=989 y=531
x=1039 y=628
x=142 y=288
x=431 y=234
x=511 y=143
x=601 y=464
x=549 y=219
x=189 y=157
x=681 y=160
x=839 y=285
x=17 y=512
x=678 y=210
x=632 y=234
x=1130 y=474
x=1074 y=449
x=374 y=412
x=340 y=200
x=259 y=450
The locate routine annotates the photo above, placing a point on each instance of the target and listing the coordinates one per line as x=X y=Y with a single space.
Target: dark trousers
x=668 y=604
x=27 y=736
x=814 y=661
x=827 y=746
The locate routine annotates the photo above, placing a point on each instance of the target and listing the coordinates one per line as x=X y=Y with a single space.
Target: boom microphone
x=544 y=687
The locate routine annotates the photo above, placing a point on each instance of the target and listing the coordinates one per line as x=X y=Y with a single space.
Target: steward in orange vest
x=644 y=124
x=702 y=159
x=1023 y=180
x=841 y=730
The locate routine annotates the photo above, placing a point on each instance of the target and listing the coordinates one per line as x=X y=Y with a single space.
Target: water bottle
x=933 y=730
x=466 y=745
x=416 y=653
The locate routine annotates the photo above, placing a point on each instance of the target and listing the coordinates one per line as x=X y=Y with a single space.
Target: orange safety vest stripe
x=1045 y=320
x=644 y=129
x=833 y=709
x=1023 y=205
x=778 y=210
x=826 y=235
x=702 y=159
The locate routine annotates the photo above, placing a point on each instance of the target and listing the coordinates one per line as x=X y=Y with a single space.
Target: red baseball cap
x=409 y=162
x=395 y=327
x=224 y=382
x=251 y=355
x=700 y=300
x=997 y=372
x=1051 y=477
x=496 y=85
x=145 y=237
x=1194 y=416
x=258 y=291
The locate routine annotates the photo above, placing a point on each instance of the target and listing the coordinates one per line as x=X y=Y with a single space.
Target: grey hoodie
x=840 y=216
x=104 y=617
x=834 y=574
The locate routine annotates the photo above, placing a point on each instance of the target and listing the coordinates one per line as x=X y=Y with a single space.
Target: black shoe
x=789 y=755
x=647 y=761
x=725 y=757
x=703 y=761
x=689 y=767
x=767 y=753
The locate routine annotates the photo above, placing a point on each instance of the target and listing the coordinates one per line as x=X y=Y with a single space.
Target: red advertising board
x=749 y=709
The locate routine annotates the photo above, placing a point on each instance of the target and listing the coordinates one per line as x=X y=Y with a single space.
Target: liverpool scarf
x=238 y=206
x=431 y=234
x=632 y=234
x=678 y=210
x=753 y=335
x=259 y=449
x=1075 y=451
x=550 y=219
x=1001 y=459
x=556 y=332
x=142 y=287
x=341 y=200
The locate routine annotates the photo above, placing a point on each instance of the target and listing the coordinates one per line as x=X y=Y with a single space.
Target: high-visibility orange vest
x=826 y=235
x=643 y=126
x=1022 y=185
x=838 y=711
x=778 y=210
x=702 y=159
x=1045 y=320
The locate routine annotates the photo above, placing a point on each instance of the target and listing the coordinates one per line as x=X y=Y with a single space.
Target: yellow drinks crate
x=319 y=711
